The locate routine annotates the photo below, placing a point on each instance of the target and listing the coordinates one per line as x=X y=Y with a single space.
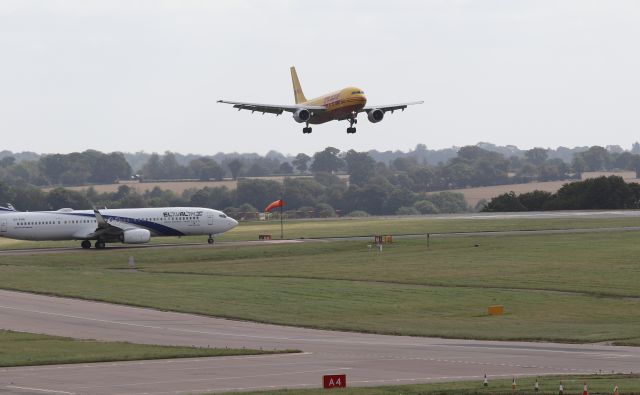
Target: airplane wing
x=104 y=228
x=391 y=107
x=272 y=108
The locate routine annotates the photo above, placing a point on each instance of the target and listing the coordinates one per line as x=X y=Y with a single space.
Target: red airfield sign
x=334 y=381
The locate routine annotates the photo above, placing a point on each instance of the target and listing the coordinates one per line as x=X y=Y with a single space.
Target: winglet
x=101 y=221
x=297 y=89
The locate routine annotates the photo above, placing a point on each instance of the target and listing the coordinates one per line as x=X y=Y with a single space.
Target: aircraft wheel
x=351 y=130
x=306 y=130
x=100 y=244
x=210 y=240
x=85 y=244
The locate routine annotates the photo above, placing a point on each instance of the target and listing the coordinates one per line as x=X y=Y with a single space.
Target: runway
x=366 y=359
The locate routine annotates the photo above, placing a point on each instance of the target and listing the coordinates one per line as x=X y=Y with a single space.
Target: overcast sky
x=145 y=75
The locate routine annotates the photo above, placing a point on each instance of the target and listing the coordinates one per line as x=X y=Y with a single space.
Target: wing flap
x=271 y=108
x=392 y=107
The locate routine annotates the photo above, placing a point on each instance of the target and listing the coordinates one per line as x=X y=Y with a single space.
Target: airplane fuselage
x=341 y=105
x=67 y=224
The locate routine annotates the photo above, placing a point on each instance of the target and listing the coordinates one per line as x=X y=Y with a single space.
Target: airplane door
x=3 y=226
x=210 y=219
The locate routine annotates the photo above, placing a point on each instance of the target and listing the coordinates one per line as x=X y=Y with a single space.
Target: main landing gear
x=210 y=239
x=306 y=129
x=351 y=128
x=86 y=244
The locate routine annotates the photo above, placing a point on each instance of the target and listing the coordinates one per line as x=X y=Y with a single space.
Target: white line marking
x=39 y=390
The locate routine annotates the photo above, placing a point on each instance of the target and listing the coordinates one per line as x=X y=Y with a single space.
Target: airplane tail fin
x=297 y=89
x=9 y=208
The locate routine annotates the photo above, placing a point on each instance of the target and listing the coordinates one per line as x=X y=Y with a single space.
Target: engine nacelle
x=375 y=115
x=135 y=236
x=302 y=115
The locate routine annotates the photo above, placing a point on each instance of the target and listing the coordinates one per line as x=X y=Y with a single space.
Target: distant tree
x=426 y=207
x=449 y=202
x=404 y=210
x=60 y=198
x=301 y=162
x=7 y=161
x=206 y=169
x=536 y=156
x=360 y=166
x=596 y=158
x=258 y=193
x=534 y=201
x=285 y=168
x=256 y=170
x=234 y=167
x=507 y=202
x=327 y=161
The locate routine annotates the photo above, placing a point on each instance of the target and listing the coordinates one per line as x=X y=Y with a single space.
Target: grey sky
x=145 y=75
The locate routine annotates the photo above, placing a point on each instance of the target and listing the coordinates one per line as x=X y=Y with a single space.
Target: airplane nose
x=232 y=223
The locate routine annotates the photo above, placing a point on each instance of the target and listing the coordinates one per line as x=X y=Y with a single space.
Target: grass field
x=338 y=227
x=598 y=384
x=564 y=287
x=22 y=349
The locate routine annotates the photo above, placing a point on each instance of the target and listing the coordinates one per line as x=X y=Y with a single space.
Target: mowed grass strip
x=343 y=227
x=22 y=349
x=598 y=384
x=578 y=287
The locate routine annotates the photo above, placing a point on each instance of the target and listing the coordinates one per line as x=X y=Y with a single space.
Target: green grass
x=368 y=226
x=564 y=287
x=21 y=349
x=598 y=384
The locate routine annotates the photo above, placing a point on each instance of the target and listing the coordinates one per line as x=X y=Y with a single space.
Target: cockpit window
x=357 y=93
x=222 y=216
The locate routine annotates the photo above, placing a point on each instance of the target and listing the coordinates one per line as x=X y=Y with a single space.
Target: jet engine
x=375 y=115
x=135 y=236
x=302 y=115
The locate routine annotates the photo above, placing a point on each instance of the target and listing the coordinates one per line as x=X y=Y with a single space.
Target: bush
x=358 y=213
x=407 y=211
x=425 y=207
x=325 y=210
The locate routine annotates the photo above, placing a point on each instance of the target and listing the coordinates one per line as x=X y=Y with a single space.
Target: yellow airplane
x=344 y=104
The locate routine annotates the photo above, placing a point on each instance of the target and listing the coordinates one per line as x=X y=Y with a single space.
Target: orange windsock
x=277 y=203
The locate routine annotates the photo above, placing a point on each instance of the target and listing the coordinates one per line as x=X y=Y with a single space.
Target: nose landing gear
x=210 y=239
x=85 y=244
x=351 y=128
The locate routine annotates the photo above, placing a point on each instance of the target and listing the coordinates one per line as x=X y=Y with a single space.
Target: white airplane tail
x=9 y=208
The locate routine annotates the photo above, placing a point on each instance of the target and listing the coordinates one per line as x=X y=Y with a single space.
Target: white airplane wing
x=391 y=107
x=104 y=228
x=272 y=108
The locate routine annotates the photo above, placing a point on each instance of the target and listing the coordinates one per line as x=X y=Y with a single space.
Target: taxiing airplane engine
x=375 y=115
x=135 y=236
x=302 y=115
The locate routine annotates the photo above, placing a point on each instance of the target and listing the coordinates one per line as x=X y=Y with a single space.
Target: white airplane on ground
x=129 y=226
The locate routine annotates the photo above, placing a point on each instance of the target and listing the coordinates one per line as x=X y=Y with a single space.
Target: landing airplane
x=128 y=226
x=344 y=104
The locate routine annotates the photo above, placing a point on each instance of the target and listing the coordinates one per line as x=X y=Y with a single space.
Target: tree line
x=602 y=193
x=367 y=186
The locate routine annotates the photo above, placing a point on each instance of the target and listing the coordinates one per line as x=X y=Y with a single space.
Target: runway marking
x=102 y=365
x=216 y=378
x=39 y=390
